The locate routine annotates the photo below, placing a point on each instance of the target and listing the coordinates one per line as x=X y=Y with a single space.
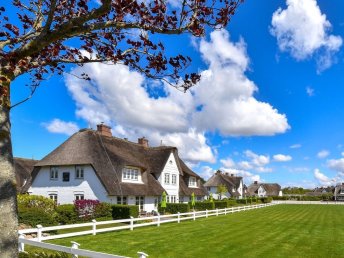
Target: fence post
x=232 y=209
x=21 y=246
x=142 y=254
x=194 y=215
x=225 y=211
x=178 y=217
x=131 y=223
x=206 y=213
x=39 y=233
x=217 y=212
x=158 y=220
x=75 y=245
x=94 y=227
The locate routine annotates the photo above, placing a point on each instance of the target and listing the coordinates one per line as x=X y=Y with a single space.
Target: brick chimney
x=143 y=141
x=104 y=130
x=232 y=175
x=256 y=182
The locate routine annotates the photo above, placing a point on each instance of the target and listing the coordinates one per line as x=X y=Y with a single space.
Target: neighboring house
x=94 y=165
x=339 y=192
x=234 y=185
x=23 y=169
x=264 y=190
x=318 y=191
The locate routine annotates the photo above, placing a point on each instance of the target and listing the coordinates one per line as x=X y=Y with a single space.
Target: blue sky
x=269 y=106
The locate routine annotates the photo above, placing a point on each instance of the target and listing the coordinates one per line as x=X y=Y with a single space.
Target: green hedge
x=103 y=211
x=221 y=204
x=43 y=255
x=231 y=203
x=67 y=214
x=124 y=211
x=266 y=199
x=205 y=205
x=36 y=201
x=36 y=216
x=174 y=208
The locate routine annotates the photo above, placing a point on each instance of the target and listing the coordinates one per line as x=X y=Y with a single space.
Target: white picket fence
x=117 y=225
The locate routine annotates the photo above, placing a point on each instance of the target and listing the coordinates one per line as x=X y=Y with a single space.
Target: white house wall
x=171 y=168
x=90 y=185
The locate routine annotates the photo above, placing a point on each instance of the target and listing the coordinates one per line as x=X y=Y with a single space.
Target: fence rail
x=128 y=224
x=308 y=202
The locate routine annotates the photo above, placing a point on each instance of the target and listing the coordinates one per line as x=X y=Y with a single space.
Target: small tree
x=39 y=37
x=221 y=190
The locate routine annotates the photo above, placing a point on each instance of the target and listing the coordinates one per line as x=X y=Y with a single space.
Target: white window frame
x=79 y=172
x=174 y=179
x=122 y=200
x=79 y=196
x=192 y=181
x=53 y=196
x=130 y=174
x=54 y=173
x=167 y=179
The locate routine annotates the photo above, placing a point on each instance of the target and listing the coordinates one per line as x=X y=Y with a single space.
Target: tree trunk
x=8 y=194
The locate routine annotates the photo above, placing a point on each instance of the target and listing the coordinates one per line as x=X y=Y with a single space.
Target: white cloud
x=295 y=146
x=206 y=172
x=282 y=158
x=257 y=160
x=228 y=163
x=323 y=154
x=122 y=99
x=336 y=164
x=248 y=176
x=310 y=91
x=302 y=30
x=226 y=94
x=59 y=126
x=323 y=179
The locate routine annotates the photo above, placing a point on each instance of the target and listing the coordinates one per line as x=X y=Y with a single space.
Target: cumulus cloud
x=302 y=30
x=59 y=126
x=248 y=176
x=336 y=164
x=323 y=154
x=323 y=179
x=223 y=101
x=257 y=160
x=282 y=158
x=228 y=163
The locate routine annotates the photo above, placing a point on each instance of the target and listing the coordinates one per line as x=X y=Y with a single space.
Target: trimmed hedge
x=174 y=208
x=36 y=216
x=67 y=214
x=103 y=211
x=231 y=203
x=36 y=201
x=221 y=204
x=124 y=211
x=205 y=205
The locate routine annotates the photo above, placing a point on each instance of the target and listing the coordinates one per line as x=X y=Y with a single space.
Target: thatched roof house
x=264 y=189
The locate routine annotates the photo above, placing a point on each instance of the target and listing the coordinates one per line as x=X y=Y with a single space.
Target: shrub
x=231 y=203
x=86 y=208
x=103 y=211
x=206 y=205
x=35 y=216
x=43 y=255
x=124 y=211
x=174 y=208
x=220 y=204
x=266 y=199
x=36 y=201
x=241 y=201
x=67 y=214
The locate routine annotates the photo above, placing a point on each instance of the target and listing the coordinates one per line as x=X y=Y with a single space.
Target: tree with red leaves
x=37 y=41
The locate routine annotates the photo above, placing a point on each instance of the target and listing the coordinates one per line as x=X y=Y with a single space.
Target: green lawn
x=277 y=231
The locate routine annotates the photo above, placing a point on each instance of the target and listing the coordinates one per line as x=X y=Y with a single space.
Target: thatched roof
x=271 y=189
x=108 y=155
x=230 y=181
x=23 y=169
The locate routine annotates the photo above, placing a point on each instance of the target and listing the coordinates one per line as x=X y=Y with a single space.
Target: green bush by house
x=174 y=208
x=205 y=205
x=32 y=201
x=67 y=214
x=124 y=211
x=221 y=204
x=103 y=211
x=36 y=216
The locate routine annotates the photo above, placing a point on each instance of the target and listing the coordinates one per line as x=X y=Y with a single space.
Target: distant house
x=23 y=169
x=95 y=165
x=234 y=185
x=318 y=191
x=264 y=190
x=339 y=192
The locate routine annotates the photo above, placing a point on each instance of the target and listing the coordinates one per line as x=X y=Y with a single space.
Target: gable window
x=122 y=200
x=130 y=174
x=79 y=172
x=167 y=179
x=65 y=176
x=192 y=182
x=54 y=174
x=174 y=179
x=78 y=197
x=53 y=196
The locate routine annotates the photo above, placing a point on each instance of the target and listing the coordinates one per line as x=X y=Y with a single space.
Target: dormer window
x=79 y=172
x=54 y=173
x=130 y=174
x=192 y=182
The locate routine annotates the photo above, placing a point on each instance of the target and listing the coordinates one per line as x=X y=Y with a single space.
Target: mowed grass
x=277 y=231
